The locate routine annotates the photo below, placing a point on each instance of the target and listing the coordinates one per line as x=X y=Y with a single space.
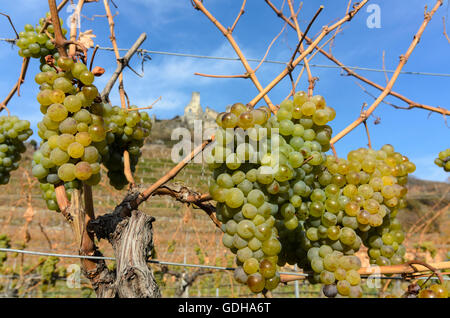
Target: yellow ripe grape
x=308 y=108
x=297 y=112
x=59 y=157
x=353 y=277
x=57 y=96
x=300 y=98
x=340 y=273
x=391 y=162
x=75 y=150
x=371 y=206
x=331 y=113
x=83 y=138
x=376 y=183
x=57 y=112
x=354 y=165
x=439 y=290
x=365 y=191
x=350 y=190
x=67 y=172
x=238 y=108
x=388 y=180
x=44 y=97
x=319 y=101
x=65 y=140
x=320 y=117
x=353 y=177
x=363 y=217
x=83 y=170
x=251 y=266
x=259 y=116
x=392 y=202
x=53 y=141
x=352 y=208
x=343 y=287
x=72 y=103
x=368 y=165
x=410 y=167
x=333 y=168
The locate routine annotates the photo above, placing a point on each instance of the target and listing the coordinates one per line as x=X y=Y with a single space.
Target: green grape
x=66 y=172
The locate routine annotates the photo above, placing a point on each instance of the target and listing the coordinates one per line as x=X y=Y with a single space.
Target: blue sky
x=175 y=26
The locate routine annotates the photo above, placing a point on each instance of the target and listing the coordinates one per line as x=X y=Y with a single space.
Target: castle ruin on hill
x=194 y=111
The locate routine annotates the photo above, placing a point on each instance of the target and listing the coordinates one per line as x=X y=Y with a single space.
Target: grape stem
x=241 y=12
x=385 y=92
x=59 y=38
x=445 y=30
x=73 y=27
x=300 y=47
x=93 y=56
x=12 y=25
x=146 y=107
x=47 y=22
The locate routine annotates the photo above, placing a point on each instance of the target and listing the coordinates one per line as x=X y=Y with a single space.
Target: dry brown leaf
x=85 y=38
x=29 y=213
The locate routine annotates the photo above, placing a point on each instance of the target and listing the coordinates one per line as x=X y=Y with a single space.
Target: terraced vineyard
x=182 y=233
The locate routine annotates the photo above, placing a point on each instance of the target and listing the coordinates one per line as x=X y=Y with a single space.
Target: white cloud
x=173 y=78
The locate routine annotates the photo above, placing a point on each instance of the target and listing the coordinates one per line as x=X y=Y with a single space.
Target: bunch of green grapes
x=49 y=194
x=72 y=129
x=127 y=130
x=443 y=160
x=374 y=183
x=298 y=131
x=336 y=271
x=243 y=205
x=13 y=133
x=33 y=43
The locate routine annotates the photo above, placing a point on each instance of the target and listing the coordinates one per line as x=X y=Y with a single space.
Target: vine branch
x=403 y=60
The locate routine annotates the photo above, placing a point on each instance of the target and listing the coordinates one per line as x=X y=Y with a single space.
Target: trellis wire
x=10 y=250
x=357 y=68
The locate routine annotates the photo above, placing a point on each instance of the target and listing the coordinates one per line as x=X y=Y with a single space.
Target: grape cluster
x=259 y=189
x=317 y=210
x=33 y=43
x=13 y=133
x=49 y=194
x=331 y=266
x=126 y=131
x=358 y=206
x=242 y=206
x=72 y=129
x=443 y=160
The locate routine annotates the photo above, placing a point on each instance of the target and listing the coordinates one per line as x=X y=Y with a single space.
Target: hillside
x=184 y=234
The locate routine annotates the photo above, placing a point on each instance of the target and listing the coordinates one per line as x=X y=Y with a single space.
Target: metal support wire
x=10 y=250
x=224 y=58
